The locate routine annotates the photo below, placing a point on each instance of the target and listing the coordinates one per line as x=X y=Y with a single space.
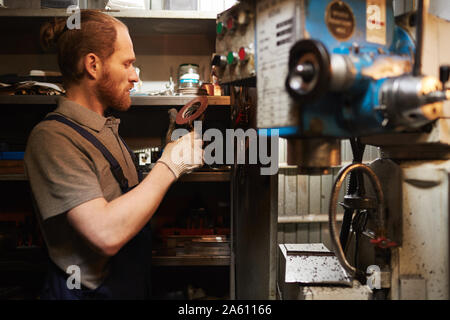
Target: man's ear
x=92 y=65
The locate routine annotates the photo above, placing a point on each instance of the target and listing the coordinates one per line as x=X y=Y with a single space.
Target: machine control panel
x=234 y=59
x=278 y=27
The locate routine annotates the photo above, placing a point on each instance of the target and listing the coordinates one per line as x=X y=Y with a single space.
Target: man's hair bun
x=97 y=34
x=51 y=32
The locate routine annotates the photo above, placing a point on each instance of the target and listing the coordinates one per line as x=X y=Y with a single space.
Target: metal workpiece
x=314 y=156
x=192 y=111
x=312 y=272
x=411 y=102
x=312 y=264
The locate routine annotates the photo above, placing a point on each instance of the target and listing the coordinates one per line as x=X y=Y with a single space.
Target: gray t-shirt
x=65 y=170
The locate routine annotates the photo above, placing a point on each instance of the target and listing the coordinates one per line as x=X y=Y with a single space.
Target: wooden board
x=11 y=167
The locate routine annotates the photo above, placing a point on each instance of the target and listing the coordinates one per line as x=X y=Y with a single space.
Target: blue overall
x=129 y=276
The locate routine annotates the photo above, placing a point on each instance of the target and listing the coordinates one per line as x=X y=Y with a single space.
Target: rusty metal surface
x=312 y=264
x=356 y=292
x=425 y=247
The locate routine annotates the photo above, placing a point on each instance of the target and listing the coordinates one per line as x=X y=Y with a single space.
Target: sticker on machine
x=376 y=21
x=340 y=20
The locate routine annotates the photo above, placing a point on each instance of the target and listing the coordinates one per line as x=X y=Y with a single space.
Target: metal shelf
x=138 y=21
x=202 y=176
x=205 y=176
x=220 y=176
x=191 y=260
x=30 y=99
x=132 y=13
x=13 y=177
x=135 y=100
x=177 y=100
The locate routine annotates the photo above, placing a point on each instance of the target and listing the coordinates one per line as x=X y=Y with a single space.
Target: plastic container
x=188 y=76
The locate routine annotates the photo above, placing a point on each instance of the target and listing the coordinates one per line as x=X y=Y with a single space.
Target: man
x=82 y=174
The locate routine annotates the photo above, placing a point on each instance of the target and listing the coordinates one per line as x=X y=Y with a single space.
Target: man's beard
x=111 y=95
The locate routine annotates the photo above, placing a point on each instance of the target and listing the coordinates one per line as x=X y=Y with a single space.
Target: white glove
x=183 y=155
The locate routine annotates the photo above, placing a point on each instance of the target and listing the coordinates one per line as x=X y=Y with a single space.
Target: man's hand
x=183 y=155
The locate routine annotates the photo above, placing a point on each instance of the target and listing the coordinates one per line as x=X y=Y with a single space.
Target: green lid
x=230 y=57
x=219 y=27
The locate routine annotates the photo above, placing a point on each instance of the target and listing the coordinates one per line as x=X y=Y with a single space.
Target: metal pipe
x=421 y=17
x=338 y=250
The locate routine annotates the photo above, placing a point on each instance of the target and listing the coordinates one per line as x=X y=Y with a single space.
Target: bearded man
x=93 y=211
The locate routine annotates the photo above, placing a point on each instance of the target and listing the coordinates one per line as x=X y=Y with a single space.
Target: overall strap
x=115 y=167
x=135 y=160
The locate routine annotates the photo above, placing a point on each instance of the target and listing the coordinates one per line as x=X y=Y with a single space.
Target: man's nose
x=134 y=76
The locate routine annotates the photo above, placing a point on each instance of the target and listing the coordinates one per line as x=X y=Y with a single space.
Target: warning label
x=376 y=21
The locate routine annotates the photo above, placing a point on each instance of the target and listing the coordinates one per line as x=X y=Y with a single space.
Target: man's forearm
x=109 y=225
x=134 y=209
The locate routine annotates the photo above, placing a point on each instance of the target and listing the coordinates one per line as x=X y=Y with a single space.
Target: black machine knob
x=309 y=70
x=306 y=71
x=219 y=61
x=444 y=74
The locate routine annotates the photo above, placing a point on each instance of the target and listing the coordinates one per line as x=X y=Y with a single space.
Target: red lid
x=230 y=23
x=242 y=53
